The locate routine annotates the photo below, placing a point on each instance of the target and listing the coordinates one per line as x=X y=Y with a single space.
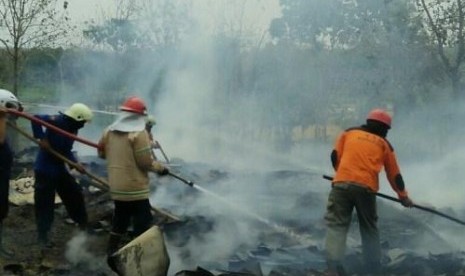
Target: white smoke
x=78 y=253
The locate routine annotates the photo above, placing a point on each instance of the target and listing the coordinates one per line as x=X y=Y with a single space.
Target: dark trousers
x=44 y=196
x=140 y=213
x=343 y=198
x=4 y=191
x=6 y=161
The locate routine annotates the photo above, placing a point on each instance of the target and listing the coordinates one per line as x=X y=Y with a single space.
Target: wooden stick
x=414 y=205
x=103 y=185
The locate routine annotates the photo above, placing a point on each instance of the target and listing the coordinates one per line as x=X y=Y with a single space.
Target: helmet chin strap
x=73 y=123
x=9 y=100
x=80 y=124
x=52 y=127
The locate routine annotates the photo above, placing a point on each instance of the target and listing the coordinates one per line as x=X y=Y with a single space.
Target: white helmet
x=79 y=112
x=8 y=100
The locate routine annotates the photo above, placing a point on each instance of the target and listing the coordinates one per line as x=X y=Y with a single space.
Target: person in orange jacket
x=358 y=157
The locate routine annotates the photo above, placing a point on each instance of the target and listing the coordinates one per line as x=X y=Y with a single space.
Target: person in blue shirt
x=7 y=101
x=51 y=174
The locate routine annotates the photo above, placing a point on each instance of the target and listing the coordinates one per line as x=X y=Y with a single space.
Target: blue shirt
x=46 y=162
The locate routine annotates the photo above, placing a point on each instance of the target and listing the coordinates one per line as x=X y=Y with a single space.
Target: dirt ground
x=405 y=234
x=73 y=253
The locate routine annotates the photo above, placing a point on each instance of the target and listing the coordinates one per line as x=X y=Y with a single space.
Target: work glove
x=406 y=201
x=78 y=167
x=164 y=171
x=44 y=144
x=155 y=144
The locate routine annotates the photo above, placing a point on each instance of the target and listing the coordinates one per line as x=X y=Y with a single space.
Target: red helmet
x=380 y=115
x=135 y=105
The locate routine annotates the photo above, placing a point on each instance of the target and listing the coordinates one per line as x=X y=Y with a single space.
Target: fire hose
x=77 y=138
x=188 y=182
x=101 y=184
x=413 y=206
x=52 y=127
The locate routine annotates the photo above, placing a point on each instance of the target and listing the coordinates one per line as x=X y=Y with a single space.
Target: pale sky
x=257 y=12
x=82 y=10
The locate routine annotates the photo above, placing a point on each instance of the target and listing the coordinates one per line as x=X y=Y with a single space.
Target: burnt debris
x=282 y=234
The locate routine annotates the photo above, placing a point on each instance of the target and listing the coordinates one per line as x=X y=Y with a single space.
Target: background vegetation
x=320 y=65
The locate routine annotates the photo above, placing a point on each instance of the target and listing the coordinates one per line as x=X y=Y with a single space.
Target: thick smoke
x=79 y=253
x=201 y=120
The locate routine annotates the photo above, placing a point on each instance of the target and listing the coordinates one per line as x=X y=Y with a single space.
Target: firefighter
x=51 y=174
x=126 y=146
x=7 y=100
x=358 y=157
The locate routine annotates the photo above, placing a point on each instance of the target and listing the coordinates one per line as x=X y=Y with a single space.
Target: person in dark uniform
x=51 y=174
x=7 y=100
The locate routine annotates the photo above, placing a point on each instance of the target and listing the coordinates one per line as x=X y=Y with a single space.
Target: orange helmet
x=380 y=115
x=135 y=105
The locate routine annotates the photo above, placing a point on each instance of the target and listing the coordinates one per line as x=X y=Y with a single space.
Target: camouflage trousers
x=342 y=200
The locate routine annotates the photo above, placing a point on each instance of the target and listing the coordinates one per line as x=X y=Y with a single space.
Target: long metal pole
x=163 y=152
x=52 y=127
x=414 y=205
x=70 y=135
x=104 y=186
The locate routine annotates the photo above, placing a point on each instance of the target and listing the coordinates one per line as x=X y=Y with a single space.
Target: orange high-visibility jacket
x=359 y=157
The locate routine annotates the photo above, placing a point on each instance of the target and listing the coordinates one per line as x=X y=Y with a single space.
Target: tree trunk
x=13 y=135
x=15 y=71
x=456 y=87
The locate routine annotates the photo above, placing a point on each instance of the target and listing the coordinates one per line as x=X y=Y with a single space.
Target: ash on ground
x=231 y=223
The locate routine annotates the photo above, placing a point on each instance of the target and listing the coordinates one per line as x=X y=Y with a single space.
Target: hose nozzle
x=188 y=182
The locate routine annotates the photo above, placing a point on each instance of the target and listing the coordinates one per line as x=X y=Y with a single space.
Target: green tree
x=141 y=24
x=138 y=39
x=117 y=33
x=29 y=24
x=351 y=55
x=445 y=23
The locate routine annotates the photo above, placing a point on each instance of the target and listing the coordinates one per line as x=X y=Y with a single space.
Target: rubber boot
x=335 y=268
x=373 y=268
x=113 y=246
x=84 y=228
x=44 y=241
x=341 y=271
x=3 y=251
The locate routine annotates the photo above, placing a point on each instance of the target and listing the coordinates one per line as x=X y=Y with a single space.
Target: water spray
x=275 y=226
x=279 y=228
